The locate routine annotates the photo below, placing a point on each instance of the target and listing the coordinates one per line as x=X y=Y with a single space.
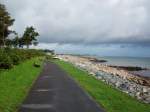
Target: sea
x=129 y=61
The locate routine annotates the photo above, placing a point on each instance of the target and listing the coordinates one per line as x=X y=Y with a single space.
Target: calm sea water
x=127 y=61
x=130 y=61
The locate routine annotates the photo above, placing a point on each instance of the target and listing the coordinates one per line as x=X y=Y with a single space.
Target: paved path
x=55 y=91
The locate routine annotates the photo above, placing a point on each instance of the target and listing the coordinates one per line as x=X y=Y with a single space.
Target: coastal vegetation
x=10 y=57
x=10 y=52
x=110 y=98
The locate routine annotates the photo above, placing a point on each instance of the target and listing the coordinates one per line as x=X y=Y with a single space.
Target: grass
x=110 y=98
x=15 y=84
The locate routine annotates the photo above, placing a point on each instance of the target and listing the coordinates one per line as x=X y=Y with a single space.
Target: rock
x=126 y=92
x=103 y=80
x=139 y=95
x=118 y=84
x=147 y=100
x=99 y=77
x=113 y=81
x=124 y=86
x=145 y=90
x=132 y=94
x=97 y=74
x=91 y=73
x=132 y=89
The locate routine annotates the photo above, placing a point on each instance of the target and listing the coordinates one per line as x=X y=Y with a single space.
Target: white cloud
x=84 y=21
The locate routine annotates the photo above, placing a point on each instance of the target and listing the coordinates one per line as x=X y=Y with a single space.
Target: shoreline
x=134 y=85
x=139 y=71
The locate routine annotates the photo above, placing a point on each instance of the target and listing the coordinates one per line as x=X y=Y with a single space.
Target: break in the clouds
x=84 y=21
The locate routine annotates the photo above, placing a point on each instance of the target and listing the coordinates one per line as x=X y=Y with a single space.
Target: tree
x=16 y=41
x=29 y=36
x=8 y=42
x=5 y=22
x=21 y=43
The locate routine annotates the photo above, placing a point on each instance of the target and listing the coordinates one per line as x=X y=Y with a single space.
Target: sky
x=96 y=27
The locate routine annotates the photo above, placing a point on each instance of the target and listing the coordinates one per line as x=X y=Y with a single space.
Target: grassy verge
x=15 y=84
x=111 y=99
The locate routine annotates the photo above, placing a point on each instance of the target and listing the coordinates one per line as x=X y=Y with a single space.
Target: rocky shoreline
x=134 y=85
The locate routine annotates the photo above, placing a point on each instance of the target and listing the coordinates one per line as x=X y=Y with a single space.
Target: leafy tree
x=5 y=22
x=8 y=42
x=16 y=41
x=29 y=36
x=21 y=43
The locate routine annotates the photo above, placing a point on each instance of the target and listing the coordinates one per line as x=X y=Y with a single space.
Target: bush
x=5 y=60
x=10 y=57
x=16 y=59
x=36 y=64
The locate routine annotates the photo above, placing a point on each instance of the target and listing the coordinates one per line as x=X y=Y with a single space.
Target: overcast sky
x=103 y=27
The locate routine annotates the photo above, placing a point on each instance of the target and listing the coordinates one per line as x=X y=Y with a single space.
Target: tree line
x=29 y=37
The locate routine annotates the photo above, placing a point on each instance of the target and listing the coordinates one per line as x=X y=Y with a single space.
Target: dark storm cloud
x=84 y=21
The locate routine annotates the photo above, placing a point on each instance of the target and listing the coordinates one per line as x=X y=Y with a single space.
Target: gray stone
x=118 y=84
x=139 y=95
x=145 y=90
x=99 y=77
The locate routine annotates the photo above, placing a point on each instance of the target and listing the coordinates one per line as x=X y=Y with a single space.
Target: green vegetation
x=10 y=57
x=9 y=54
x=29 y=37
x=15 y=84
x=5 y=22
x=111 y=99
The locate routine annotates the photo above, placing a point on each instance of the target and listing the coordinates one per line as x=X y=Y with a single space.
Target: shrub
x=5 y=60
x=10 y=57
x=36 y=64
x=16 y=59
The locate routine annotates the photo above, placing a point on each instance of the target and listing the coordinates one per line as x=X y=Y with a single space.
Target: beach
x=123 y=79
